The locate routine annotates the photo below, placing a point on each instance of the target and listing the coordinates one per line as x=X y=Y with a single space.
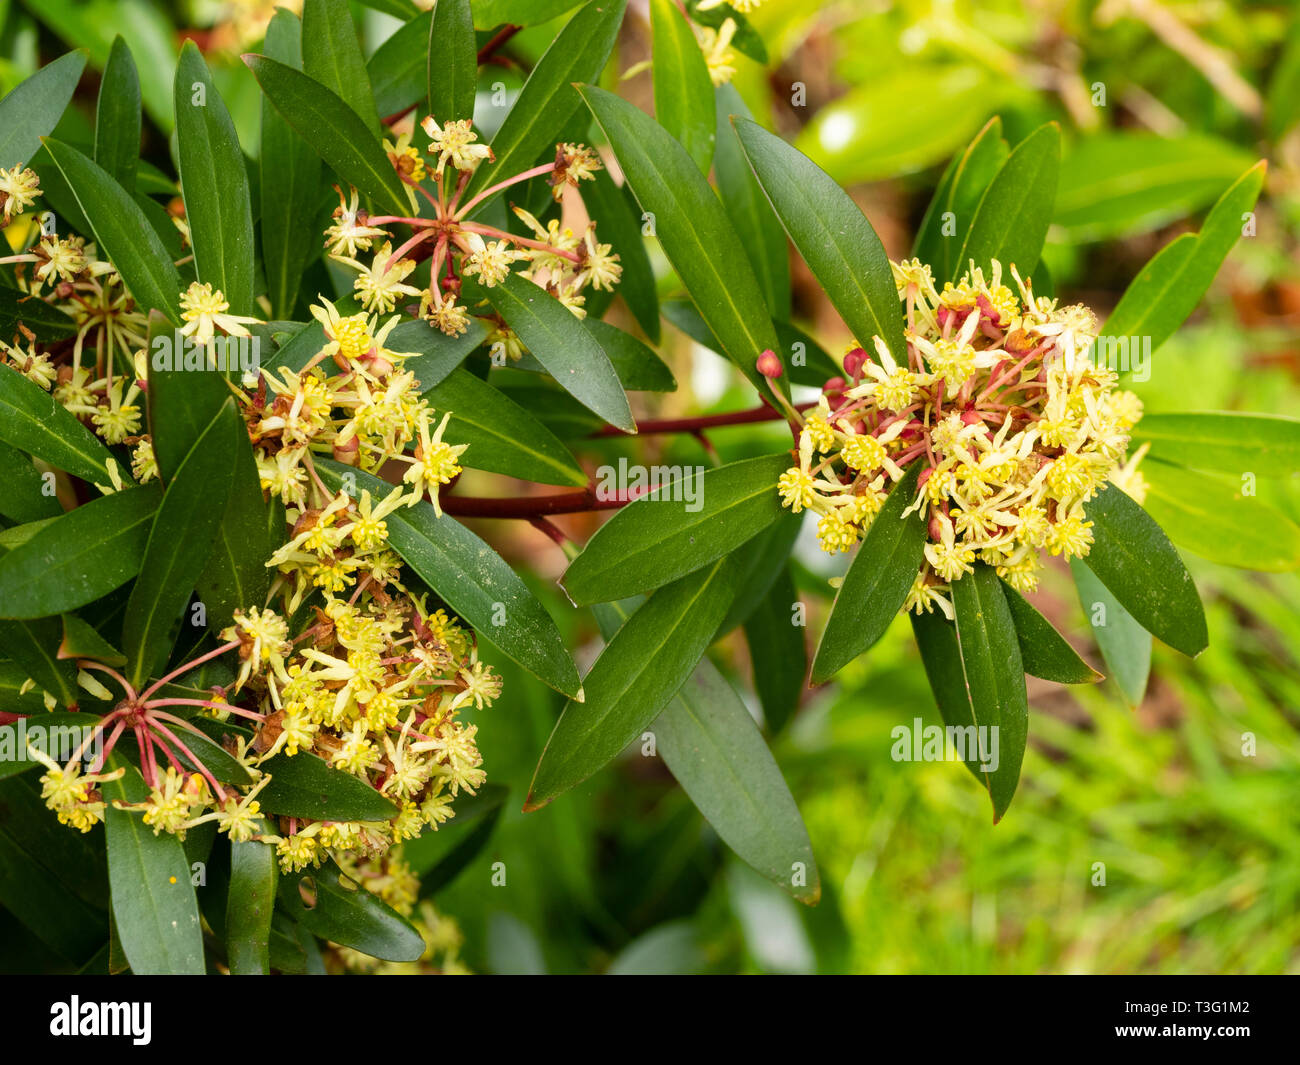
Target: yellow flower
x=454 y=142
x=204 y=312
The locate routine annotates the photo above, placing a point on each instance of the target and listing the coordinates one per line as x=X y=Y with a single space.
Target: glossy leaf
x=777 y=652
x=680 y=527
x=46 y=322
x=31 y=644
x=331 y=55
x=452 y=66
x=33 y=108
x=832 y=234
x=1124 y=644
x=79 y=557
x=344 y=912
x=28 y=495
x=635 y=677
x=215 y=184
x=1010 y=223
x=570 y=353
x=683 y=91
x=693 y=229
x=619 y=225
x=434 y=354
x=1171 y=285
x=877 y=582
x=31 y=420
x=236 y=575
x=639 y=369
x=336 y=132
x=81 y=640
x=1135 y=560
x=250 y=902
x=398 y=70
x=305 y=786
x=154 y=909
x=475 y=583
x=117 y=117
x=502 y=436
x=1044 y=651
x=121 y=231
x=1267 y=445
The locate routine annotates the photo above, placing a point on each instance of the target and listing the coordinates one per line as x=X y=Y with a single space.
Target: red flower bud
x=853 y=363
x=769 y=365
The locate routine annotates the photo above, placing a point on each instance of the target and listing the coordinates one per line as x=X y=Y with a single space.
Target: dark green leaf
x=80 y=640
x=453 y=62
x=249 y=905
x=56 y=735
x=117 y=118
x=618 y=224
x=46 y=322
x=236 y=576
x=483 y=811
x=639 y=369
x=28 y=495
x=31 y=420
x=304 y=786
x=33 y=645
x=344 y=912
x=682 y=88
x=777 y=652
x=32 y=109
x=398 y=70
x=331 y=54
x=1044 y=651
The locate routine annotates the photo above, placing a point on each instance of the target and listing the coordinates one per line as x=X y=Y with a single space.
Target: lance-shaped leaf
x=81 y=640
x=832 y=234
x=31 y=420
x=748 y=207
x=155 y=912
x=398 y=69
x=337 y=133
x=547 y=101
x=117 y=117
x=1044 y=651
x=763 y=558
x=236 y=576
x=634 y=678
x=343 y=911
x=29 y=495
x=122 y=231
x=452 y=66
x=712 y=746
x=1171 y=285
x=306 y=786
x=215 y=184
x=474 y=581
x=180 y=542
x=682 y=87
x=683 y=525
x=44 y=733
x=978 y=679
x=877 y=582
x=79 y=557
x=1135 y=560
x=33 y=108
x=1010 y=223
x=570 y=353
x=1125 y=645
x=250 y=902
x=1213 y=517
x=502 y=436
x=1267 y=445
x=693 y=229
x=777 y=652
x=618 y=221
x=639 y=369
x=288 y=180
x=31 y=645
x=434 y=354
x=948 y=218
x=331 y=54
x=46 y=322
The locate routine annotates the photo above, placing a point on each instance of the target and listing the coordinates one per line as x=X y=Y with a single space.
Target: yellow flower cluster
x=998 y=399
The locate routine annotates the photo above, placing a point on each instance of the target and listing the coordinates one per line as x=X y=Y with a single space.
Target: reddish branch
x=530 y=507
x=762 y=413
x=503 y=35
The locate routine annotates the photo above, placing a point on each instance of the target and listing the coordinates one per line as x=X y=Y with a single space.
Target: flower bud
x=853 y=363
x=769 y=365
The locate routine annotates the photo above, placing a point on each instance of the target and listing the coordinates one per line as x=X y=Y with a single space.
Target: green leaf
x=483 y=811
x=49 y=734
x=832 y=234
x=79 y=557
x=1045 y=652
x=948 y=218
x=1010 y=223
x=1267 y=445
x=453 y=62
x=568 y=351
x=154 y=908
x=33 y=108
x=1282 y=102
x=117 y=117
x=1125 y=645
x=27 y=495
x=502 y=436
x=1134 y=559
x=215 y=184
x=236 y=576
x=635 y=677
x=288 y=181
x=336 y=132
x=547 y=101
x=777 y=652
x=693 y=229
x=331 y=55
x=1212 y=516
x=639 y=369
x=877 y=582
x=748 y=207
x=434 y=354
x=474 y=581
x=46 y=322
x=32 y=421
x=32 y=645
x=1171 y=285
x=398 y=69
x=1118 y=183
x=80 y=640
x=671 y=949
x=344 y=912
x=122 y=231
x=489 y=13
x=681 y=526
x=619 y=225
x=978 y=680
x=683 y=90
x=305 y=786
x=180 y=541
x=762 y=560
x=249 y=905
